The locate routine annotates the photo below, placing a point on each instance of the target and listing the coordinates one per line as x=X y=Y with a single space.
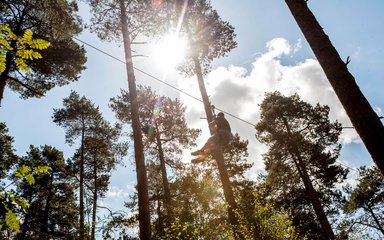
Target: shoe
x=198 y=152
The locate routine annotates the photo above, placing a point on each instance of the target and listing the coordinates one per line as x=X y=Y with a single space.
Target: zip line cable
x=165 y=83
x=181 y=91
x=159 y=80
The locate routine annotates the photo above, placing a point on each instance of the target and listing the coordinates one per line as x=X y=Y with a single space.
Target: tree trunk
x=3 y=78
x=44 y=222
x=4 y=74
x=218 y=155
x=167 y=194
x=142 y=182
x=25 y=225
x=94 y=202
x=81 y=187
x=360 y=112
x=203 y=91
x=9 y=57
x=312 y=194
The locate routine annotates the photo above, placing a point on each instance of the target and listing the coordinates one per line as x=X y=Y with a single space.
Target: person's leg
x=211 y=143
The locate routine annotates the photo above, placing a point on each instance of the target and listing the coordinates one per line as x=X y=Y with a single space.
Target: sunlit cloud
x=239 y=92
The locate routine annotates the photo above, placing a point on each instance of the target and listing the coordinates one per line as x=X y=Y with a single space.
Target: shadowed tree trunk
x=94 y=202
x=325 y=225
x=361 y=114
x=44 y=222
x=167 y=194
x=81 y=187
x=142 y=182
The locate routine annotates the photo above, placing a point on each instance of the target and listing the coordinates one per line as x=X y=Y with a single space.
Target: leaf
x=11 y=221
x=42 y=169
x=22 y=65
x=28 y=36
x=39 y=44
x=22 y=171
x=30 y=179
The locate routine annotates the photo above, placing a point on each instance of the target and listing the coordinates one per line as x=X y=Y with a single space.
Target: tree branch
x=30 y=88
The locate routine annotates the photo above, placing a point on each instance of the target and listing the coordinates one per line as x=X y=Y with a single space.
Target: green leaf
x=30 y=179
x=28 y=36
x=22 y=171
x=11 y=221
x=42 y=169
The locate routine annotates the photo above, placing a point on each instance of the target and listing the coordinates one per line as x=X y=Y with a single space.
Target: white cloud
x=116 y=192
x=239 y=92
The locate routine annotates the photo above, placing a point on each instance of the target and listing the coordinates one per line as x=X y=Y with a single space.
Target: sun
x=169 y=51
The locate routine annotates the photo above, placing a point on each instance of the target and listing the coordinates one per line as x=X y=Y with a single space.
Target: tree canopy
x=61 y=63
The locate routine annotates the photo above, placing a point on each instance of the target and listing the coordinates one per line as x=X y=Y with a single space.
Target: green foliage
x=209 y=36
x=159 y=115
x=365 y=203
x=26 y=173
x=10 y=204
x=7 y=156
x=263 y=221
x=21 y=48
x=29 y=67
x=140 y=15
x=51 y=199
x=179 y=230
x=99 y=149
x=301 y=138
x=13 y=202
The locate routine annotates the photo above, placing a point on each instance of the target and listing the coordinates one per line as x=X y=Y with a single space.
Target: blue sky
x=272 y=54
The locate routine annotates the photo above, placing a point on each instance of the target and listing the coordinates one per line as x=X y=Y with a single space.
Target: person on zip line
x=221 y=136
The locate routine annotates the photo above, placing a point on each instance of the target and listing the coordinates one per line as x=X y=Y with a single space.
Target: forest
x=294 y=184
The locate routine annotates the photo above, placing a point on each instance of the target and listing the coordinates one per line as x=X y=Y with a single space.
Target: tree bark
x=4 y=74
x=94 y=203
x=312 y=194
x=81 y=187
x=203 y=91
x=44 y=222
x=360 y=112
x=218 y=155
x=167 y=194
x=142 y=182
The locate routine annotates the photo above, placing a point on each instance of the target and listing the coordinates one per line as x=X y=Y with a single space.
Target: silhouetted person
x=221 y=137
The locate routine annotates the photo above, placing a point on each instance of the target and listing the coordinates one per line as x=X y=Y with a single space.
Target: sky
x=272 y=54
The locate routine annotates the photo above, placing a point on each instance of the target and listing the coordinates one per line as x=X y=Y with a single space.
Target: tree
x=361 y=114
x=102 y=152
x=53 y=210
x=209 y=37
x=367 y=196
x=199 y=205
x=113 y=19
x=165 y=134
x=8 y=207
x=7 y=156
x=53 y=21
x=303 y=149
x=79 y=117
x=260 y=219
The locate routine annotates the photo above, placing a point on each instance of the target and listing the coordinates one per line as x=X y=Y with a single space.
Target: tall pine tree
x=303 y=149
